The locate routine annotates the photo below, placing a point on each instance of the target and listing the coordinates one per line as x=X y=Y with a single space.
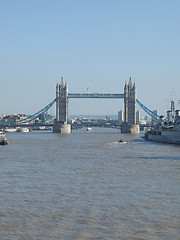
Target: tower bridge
x=62 y=96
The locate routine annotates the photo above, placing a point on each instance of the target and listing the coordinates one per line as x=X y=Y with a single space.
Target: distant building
x=146 y=118
x=121 y=116
x=107 y=118
x=138 y=116
x=155 y=112
x=14 y=117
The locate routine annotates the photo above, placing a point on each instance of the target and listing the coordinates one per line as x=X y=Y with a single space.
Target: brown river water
x=86 y=186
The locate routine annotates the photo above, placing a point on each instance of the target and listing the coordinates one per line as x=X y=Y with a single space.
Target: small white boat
x=121 y=141
x=10 y=130
x=23 y=129
x=2 y=134
x=88 y=129
x=3 y=140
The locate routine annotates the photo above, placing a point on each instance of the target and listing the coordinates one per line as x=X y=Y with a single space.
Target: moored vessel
x=167 y=132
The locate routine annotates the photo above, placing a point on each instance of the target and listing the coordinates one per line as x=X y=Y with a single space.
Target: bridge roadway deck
x=95 y=95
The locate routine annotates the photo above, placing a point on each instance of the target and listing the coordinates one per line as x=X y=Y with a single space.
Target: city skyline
x=96 y=45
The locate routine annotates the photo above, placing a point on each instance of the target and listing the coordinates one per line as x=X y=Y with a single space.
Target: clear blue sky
x=94 y=43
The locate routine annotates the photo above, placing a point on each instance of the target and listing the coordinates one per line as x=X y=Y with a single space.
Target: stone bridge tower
x=130 y=102
x=60 y=125
x=62 y=102
x=130 y=109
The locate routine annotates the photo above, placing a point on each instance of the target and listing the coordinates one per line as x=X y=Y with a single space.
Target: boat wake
x=120 y=142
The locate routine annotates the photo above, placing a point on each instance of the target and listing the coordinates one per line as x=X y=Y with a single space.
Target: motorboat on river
x=3 y=140
x=121 y=141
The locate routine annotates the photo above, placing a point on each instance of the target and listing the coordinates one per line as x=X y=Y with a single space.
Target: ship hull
x=165 y=137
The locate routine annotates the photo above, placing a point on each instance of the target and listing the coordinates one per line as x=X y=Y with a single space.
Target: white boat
x=88 y=129
x=3 y=140
x=121 y=141
x=23 y=129
x=10 y=130
x=2 y=134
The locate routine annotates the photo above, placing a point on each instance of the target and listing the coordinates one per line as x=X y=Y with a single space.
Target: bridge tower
x=61 y=125
x=130 y=102
x=130 y=125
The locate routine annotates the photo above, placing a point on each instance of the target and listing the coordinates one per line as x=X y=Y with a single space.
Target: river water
x=86 y=186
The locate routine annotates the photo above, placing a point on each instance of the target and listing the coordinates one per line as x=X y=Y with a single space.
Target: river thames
x=86 y=186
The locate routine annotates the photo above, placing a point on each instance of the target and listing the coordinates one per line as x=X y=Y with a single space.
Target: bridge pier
x=61 y=128
x=60 y=124
x=130 y=126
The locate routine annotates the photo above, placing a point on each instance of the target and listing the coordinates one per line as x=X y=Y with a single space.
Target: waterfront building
x=146 y=118
x=138 y=116
x=121 y=116
x=14 y=117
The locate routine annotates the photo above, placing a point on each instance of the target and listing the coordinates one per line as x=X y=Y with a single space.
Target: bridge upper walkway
x=95 y=95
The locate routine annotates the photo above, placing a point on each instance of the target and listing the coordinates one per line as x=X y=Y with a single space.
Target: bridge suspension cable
x=32 y=117
x=35 y=115
x=148 y=111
